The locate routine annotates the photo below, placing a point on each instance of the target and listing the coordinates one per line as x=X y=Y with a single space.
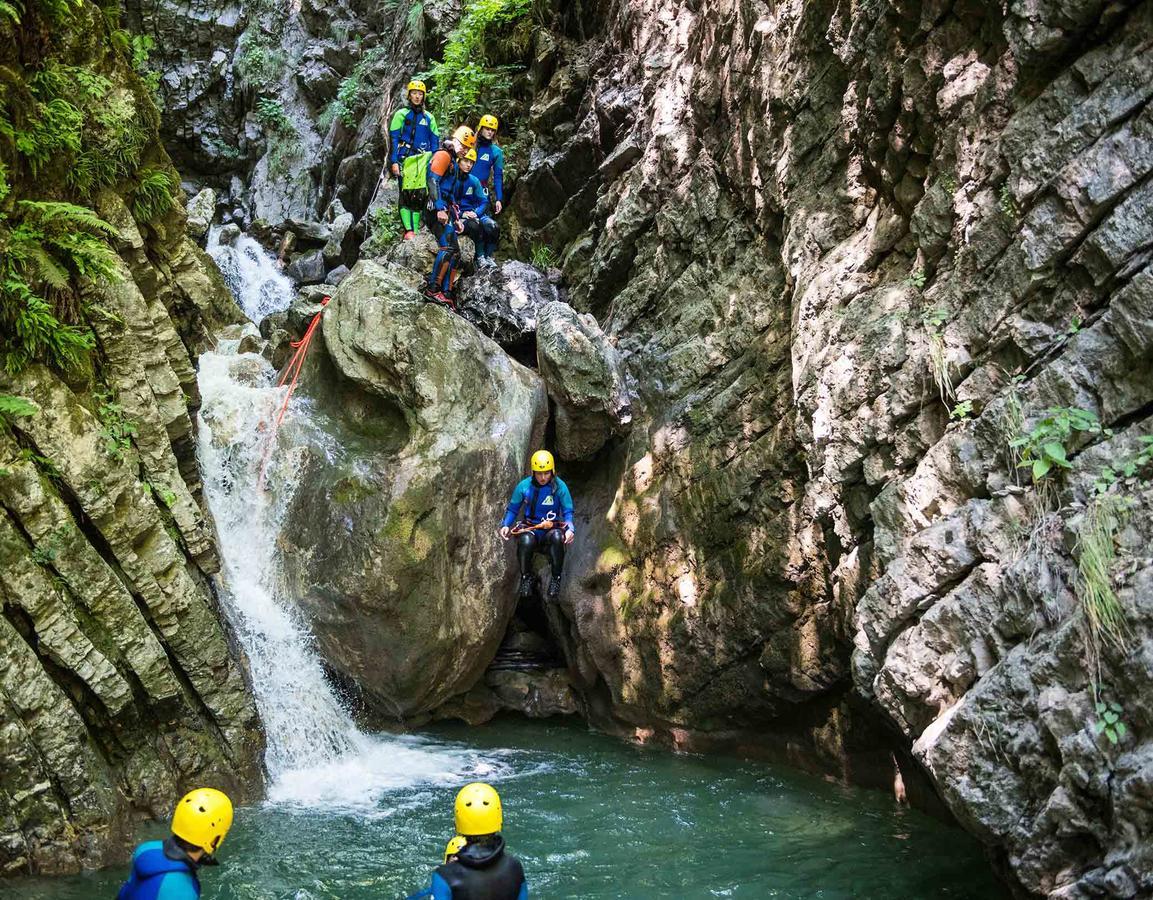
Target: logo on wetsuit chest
x=547 y=501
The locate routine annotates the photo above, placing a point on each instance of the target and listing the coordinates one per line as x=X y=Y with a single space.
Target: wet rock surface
x=391 y=543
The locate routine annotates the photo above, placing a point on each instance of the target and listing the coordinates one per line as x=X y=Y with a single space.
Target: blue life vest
x=157 y=875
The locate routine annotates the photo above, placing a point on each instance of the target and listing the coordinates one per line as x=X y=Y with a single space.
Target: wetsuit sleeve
x=437 y=167
x=523 y=895
x=514 y=505
x=394 y=129
x=441 y=890
x=177 y=886
x=498 y=174
x=435 y=130
x=565 y=502
x=478 y=189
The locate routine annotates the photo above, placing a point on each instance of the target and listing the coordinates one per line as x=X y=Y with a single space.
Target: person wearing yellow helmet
x=482 y=867
x=449 y=184
x=546 y=525
x=412 y=131
x=474 y=218
x=167 y=870
x=490 y=163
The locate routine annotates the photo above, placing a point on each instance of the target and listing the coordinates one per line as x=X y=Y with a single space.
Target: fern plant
x=154 y=194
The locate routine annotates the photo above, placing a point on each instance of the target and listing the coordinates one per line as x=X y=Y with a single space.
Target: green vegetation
x=1109 y=720
x=961 y=411
x=1096 y=549
x=13 y=408
x=116 y=430
x=68 y=129
x=480 y=57
x=1008 y=205
x=916 y=278
x=1045 y=447
x=543 y=256
x=154 y=195
x=259 y=64
x=283 y=138
x=933 y=320
x=384 y=229
x=352 y=93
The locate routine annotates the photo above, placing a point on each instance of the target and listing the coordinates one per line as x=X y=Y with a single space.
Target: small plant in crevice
x=1007 y=204
x=1045 y=447
x=13 y=408
x=543 y=256
x=258 y=63
x=961 y=411
x=282 y=136
x=1099 y=524
x=116 y=430
x=1074 y=326
x=141 y=47
x=933 y=321
x=161 y=493
x=384 y=229
x=1109 y=722
x=154 y=194
x=916 y=278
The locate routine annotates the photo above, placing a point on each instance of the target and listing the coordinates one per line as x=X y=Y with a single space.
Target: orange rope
x=292 y=370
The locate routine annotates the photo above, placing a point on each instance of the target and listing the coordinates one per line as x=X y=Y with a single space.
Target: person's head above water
x=201 y=820
x=542 y=466
x=477 y=810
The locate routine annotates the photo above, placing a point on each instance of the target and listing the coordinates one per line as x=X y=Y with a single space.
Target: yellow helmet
x=470 y=156
x=453 y=847
x=203 y=817
x=488 y=121
x=478 y=810
x=415 y=85
x=542 y=461
x=465 y=137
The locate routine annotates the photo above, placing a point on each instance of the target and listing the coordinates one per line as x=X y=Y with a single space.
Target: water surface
x=593 y=817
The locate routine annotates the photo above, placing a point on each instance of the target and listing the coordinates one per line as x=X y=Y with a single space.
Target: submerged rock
x=391 y=542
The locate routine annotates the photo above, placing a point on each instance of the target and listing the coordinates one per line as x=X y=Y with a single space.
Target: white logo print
x=547 y=501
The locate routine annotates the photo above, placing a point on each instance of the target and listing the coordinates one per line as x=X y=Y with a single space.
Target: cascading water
x=257 y=284
x=315 y=754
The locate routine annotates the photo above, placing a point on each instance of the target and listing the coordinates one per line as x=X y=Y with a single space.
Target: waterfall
x=250 y=272
x=316 y=756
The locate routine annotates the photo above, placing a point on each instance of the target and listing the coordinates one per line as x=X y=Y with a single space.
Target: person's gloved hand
x=503 y=532
x=470 y=215
x=442 y=216
x=396 y=169
x=568 y=536
x=498 y=206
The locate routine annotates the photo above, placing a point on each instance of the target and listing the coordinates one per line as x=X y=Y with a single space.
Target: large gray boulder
x=391 y=543
x=584 y=378
x=505 y=302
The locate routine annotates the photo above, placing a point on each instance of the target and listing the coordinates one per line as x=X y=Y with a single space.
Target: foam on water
x=251 y=274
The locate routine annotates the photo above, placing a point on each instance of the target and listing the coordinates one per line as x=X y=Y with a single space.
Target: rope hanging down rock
x=291 y=371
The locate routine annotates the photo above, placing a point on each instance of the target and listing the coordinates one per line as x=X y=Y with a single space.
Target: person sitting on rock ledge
x=482 y=867
x=547 y=523
x=412 y=131
x=446 y=184
x=166 y=870
x=478 y=226
x=490 y=160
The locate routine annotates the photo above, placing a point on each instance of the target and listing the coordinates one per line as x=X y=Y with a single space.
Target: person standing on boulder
x=166 y=870
x=482 y=867
x=547 y=524
x=442 y=214
x=490 y=162
x=473 y=204
x=412 y=130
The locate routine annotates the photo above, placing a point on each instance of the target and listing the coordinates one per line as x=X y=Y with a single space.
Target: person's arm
x=565 y=503
x=437 y=167
x=394 y=128
x=480 y=192
x=435 y=129
x=498 y=174
x=513 y=506
x=523 y=895
x=441 y=890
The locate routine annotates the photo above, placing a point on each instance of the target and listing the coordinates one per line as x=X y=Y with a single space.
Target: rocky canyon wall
x=862 y=261
x=119 y=687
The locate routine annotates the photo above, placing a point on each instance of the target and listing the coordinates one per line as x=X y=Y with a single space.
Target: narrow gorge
x=838 y=319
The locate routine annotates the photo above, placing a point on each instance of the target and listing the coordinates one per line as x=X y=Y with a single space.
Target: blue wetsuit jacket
x=160 y=871
x=490 y=161
x=538 y=501
x=411 y=133
x=454 y=188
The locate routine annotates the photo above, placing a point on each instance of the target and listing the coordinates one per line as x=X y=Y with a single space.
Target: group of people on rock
x=475 y=861
x=446 y=185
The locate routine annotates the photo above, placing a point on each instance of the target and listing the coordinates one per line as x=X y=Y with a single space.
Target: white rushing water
x=315 y=754
x=251 y=274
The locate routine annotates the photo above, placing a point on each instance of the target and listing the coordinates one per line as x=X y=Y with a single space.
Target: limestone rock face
x=847 y=283
x=121 y=687
x=392 y=542
x=584 y=378
x=505 y=302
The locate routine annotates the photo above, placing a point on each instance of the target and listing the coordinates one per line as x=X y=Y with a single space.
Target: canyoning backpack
x=414 y=172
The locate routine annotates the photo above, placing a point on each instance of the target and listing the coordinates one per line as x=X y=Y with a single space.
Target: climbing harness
x=291 y=371
x=524 y=527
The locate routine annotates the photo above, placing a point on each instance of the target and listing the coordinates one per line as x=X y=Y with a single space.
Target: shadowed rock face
x=848 y=255
x=392 y=540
